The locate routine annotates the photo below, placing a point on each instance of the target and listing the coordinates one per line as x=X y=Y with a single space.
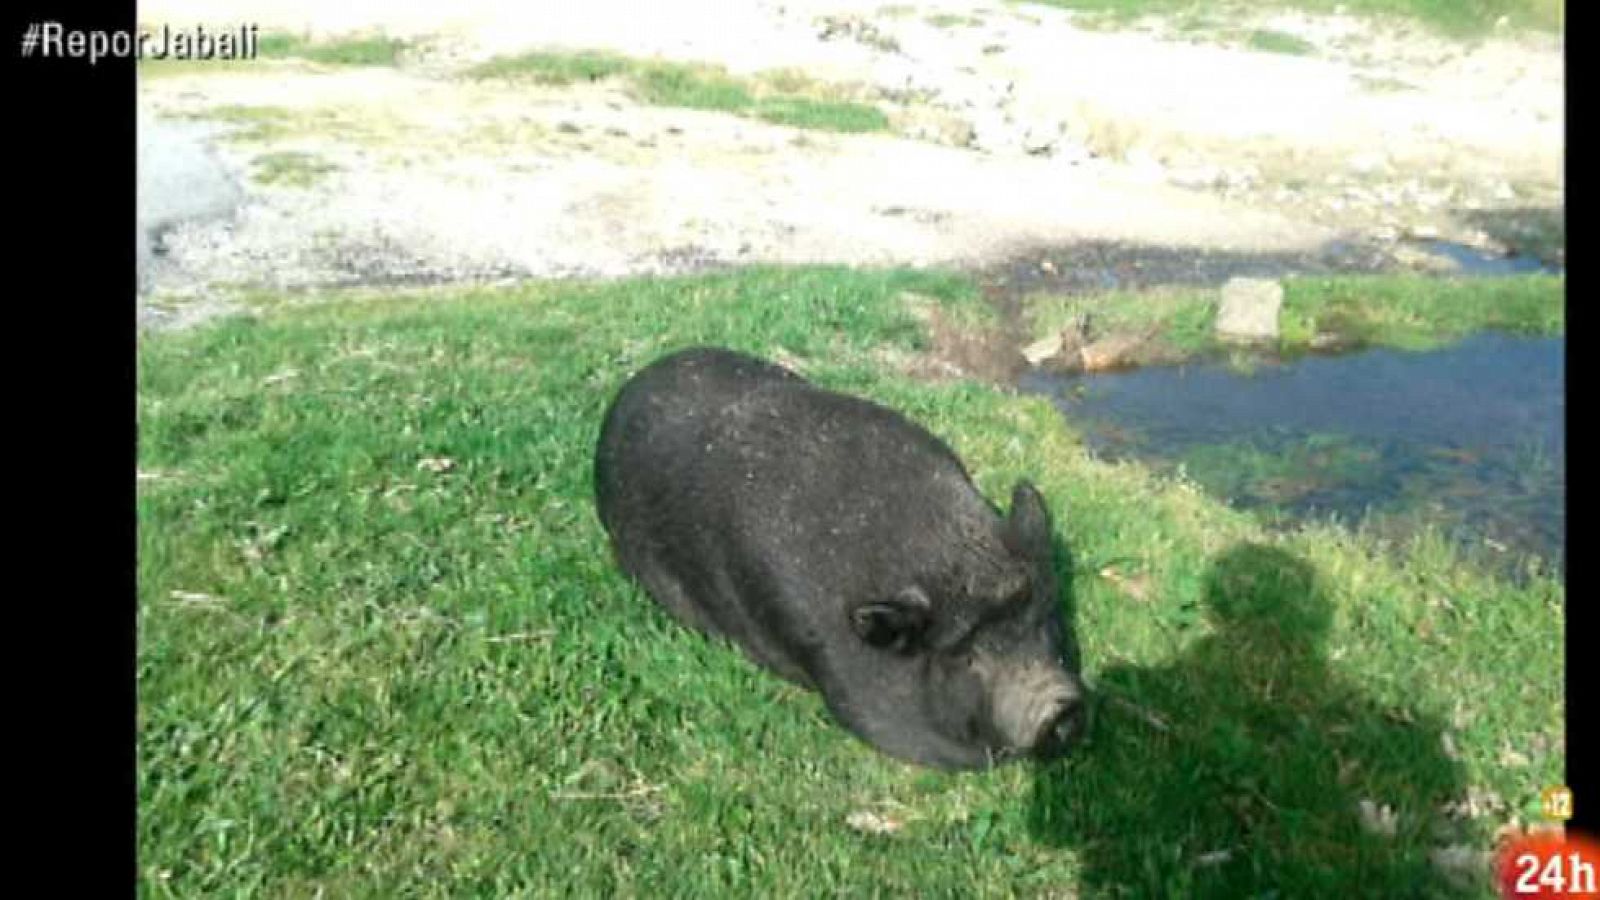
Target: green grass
x=1383 y=85
x=1255 y=475
x=1407 y=311
x=950 y=20
x=291 y=169
x=554 y=68
x=368 y=50
x=783 y=97
x=383 y=650
x=269 y=124
x=822 y=115
x=690 y=86
x=1416 y=312
x=253 y=123
x=1456 y=17
x=1279 y=42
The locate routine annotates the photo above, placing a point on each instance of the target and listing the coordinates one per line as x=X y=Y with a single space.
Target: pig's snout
x=1043 y=712
x=1063 y=725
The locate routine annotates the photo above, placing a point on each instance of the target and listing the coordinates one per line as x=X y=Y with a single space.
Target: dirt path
x=1014 y=127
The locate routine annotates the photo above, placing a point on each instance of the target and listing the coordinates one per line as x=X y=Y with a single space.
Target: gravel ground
x=1014 y=129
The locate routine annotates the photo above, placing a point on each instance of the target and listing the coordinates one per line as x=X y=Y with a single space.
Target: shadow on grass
x=1238 y=770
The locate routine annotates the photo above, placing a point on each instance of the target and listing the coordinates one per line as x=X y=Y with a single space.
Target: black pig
x=844 y=548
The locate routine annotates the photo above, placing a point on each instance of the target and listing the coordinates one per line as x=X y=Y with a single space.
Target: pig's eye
x=894 y=624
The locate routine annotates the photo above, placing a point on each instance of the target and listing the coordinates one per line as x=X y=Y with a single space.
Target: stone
x=1043 y=350
x=1114 y=352
x=1413 y=258
x=1249 y=310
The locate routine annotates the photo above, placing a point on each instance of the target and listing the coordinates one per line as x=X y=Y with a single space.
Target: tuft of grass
x=1418 y=312
x=554 y=68
x=1405 y=311
x=1383 y=85
x=268 y=124
x=383 y=651
x=951 y=20
x=822 y=115
x=1183 y=317
x=690 y=86
x=291 y=169
x=1273 y=41
x=366 y=50
x=784 y=97
x=254 y=123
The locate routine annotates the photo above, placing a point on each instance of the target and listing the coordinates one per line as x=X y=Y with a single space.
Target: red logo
x=1549 y=865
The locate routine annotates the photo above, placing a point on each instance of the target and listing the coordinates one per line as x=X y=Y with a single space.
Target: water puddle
x=1470 y=438
x=1472 y=261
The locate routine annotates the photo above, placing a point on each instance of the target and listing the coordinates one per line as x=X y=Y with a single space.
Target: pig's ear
x=1027 y=529
x=893 y=623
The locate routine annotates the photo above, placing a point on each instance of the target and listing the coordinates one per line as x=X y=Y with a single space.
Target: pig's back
x=723 y=433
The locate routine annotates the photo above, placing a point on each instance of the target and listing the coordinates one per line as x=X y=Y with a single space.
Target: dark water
x=1472 y=261
x=1470 y=438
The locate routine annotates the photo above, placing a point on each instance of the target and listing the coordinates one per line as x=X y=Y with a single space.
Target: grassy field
x=383 y=650
x=1411 y=312
x=1456 y=17
x=782 y=97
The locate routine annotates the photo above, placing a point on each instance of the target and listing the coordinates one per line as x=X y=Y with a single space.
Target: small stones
x=1412 y=258
x=1330 y=342
x=436 y=464
x=869 y=822
x=1378 y=819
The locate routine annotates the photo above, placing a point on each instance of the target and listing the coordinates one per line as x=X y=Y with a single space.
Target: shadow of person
x=1240 y=769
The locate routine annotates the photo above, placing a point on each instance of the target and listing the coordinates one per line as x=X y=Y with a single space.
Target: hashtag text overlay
x=53 y=40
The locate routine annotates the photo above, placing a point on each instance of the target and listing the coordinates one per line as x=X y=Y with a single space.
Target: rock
x=1413 y=258
x=1378 y=819
x=869 y=822
x=1041 y=351
x=1249 y=310
x=1329 y=342
x=1039 y=141
x=1114 y=352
